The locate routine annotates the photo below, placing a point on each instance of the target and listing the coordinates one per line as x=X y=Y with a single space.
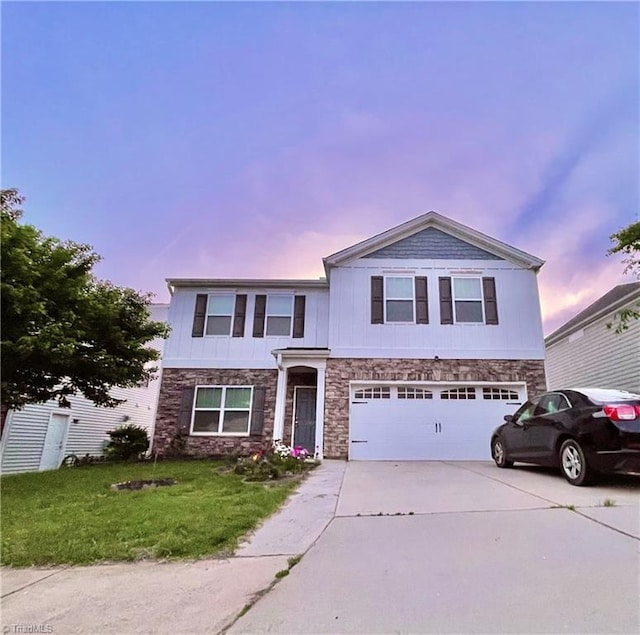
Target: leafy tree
x=627 y=242
x=64 y=331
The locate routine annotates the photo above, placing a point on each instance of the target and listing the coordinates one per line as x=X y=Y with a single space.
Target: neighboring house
x=415 y=345
x=585 y=352
x=39 y=436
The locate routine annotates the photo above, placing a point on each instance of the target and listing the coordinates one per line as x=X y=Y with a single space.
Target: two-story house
x=414 y=346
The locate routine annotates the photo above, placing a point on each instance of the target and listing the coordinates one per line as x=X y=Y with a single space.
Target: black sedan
x=583 y=431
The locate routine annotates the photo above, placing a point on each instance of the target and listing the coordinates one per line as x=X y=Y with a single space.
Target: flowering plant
x=284 y=451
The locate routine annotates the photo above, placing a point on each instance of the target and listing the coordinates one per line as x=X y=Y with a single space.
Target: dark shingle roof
x=608 y=300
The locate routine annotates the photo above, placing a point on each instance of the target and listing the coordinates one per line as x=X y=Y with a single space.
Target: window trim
x=222 y=409
x=231 y=315
x=385 y=298
x=454 y=299
x=267 y=315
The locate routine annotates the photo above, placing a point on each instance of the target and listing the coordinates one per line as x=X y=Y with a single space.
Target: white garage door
x=411 y=422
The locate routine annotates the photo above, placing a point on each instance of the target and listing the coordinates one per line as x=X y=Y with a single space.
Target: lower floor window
x=222 y=410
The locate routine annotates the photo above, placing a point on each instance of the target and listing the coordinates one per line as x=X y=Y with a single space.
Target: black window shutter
x=199 y=315
x=238 y=315
x=257 y=410
x=490 y=300
x=446 y=301
x=186 y=407
x=299 y=304
x=377 y=300
x=422 y=302
x=258 y=315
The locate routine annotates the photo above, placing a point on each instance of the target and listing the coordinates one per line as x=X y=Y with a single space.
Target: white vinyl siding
x=26 y=429
x=600 y=358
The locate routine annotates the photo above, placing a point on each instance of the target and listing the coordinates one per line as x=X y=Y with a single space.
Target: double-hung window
x=467 y=300
x=399 y=299
x=279 y=314
x=220 y=314
x=222 y=410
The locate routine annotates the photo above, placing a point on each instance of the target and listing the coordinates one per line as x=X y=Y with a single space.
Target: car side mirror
x=508 y=418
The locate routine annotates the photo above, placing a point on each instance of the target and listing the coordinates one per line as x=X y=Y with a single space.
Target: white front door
x=55 y=441
x=432 y=422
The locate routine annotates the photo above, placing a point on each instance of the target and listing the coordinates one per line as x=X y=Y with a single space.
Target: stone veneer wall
x=341 y=371
x=174 y=379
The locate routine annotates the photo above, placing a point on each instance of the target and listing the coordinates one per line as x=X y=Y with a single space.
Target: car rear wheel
x=499 y=453
x=573 y=464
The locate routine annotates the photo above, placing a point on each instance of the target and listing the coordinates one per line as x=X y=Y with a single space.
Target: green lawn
x=72 y=516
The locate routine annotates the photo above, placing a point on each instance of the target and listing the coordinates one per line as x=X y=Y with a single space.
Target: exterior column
x=281 y=394
x=320 y=413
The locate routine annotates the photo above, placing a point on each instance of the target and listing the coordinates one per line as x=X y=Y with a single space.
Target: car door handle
x=358 y=441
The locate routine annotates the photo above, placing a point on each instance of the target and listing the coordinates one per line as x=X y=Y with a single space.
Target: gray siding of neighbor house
x=433 y=244
x=597 y=358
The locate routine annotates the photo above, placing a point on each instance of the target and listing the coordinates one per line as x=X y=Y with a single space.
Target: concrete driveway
x=452 y=547
x=425 y=547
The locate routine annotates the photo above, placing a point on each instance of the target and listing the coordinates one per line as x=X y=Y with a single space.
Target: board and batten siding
x=596 y=356
x=182 y=350
x=518 y=335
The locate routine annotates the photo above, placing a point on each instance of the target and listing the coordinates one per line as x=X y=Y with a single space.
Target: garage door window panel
x=377 y=392
x=499 y=394
x=220 y=410
x=467 y=300
x=399 y=299
x=458 y=393
x=410 y=392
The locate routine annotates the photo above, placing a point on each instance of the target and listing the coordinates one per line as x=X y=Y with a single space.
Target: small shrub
x=127 y=443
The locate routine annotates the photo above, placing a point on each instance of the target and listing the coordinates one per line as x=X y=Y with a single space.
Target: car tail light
x=621 y=412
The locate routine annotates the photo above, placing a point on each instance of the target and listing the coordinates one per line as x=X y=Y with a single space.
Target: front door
x=54 y=442
x=304 y=422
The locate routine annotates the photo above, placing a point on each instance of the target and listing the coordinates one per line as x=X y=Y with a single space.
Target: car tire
x=499 y=453
x=574 y=465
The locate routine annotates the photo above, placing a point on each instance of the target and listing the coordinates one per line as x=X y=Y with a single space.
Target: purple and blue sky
x=251 y=139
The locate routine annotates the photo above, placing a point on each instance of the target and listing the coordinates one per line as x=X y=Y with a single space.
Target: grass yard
x=72 y=516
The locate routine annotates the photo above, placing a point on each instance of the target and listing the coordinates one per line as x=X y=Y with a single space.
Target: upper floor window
x=279 y=314
x=467 y=299
x=220 y=314
x=398 y=299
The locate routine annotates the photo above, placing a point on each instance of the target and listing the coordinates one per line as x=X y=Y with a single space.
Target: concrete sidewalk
x=175 y=597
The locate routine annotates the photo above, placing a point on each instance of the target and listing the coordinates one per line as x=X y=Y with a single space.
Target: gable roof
x=442 y=223
x=610 y=301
